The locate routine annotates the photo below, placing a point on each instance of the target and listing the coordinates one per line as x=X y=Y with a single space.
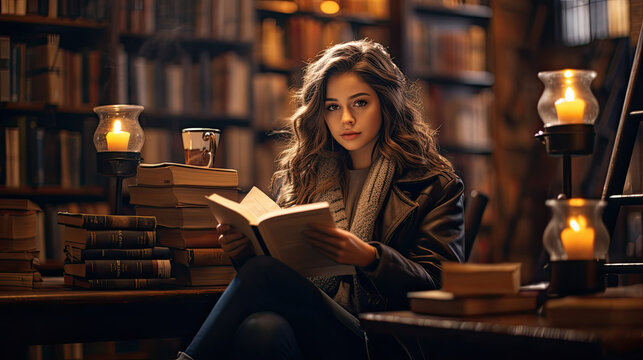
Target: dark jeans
x=269 y=311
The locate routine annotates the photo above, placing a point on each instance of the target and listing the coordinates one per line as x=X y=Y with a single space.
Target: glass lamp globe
x=118 y=129
x=567 y=98
x=576 y=230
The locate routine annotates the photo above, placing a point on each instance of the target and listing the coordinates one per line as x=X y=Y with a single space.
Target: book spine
x=121 y=284
x=127 y=269
x=125 y=254
x=97 y=222
x=205 y=257
x=120 y=239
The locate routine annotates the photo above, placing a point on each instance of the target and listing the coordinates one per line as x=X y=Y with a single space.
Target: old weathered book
x=19 y=204
x=126 y=269
x=19 y=265
x=183 y=217
x=174 y=196
x=75 y=254
x=278 y=232
x=119 y=284
x=17 y=224
x=438 y=302
x=481 y=279
x=108 y=239
x=205 y=275
x=200 y=257
x=26 y=244
x=19 y=255
x=106 y=222
x=182 y=174
x=19 y=280
x=187 y=238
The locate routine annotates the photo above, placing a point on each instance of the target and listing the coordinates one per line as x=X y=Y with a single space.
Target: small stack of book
x=18 y=254
x=475 y=289
x=113 y=252
x=176 y=195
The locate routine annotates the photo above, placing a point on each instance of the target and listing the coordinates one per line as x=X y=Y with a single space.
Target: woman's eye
x=332 y=107
x=360 y=103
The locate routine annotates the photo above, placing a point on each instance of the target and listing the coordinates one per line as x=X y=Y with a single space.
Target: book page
x=282 y=233
x=229 y=212
x=258 y=203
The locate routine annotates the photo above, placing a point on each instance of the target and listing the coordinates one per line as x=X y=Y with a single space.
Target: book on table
x=19 y=204
x=438 y=302
x=108 y=239
x=126 y=269
x=200 y=257
x=278 y=232
x=118 y=284
x=75 y=254
x=181 y=174
x=175 y=217
x=178 y=195
x=480 y=279
x=17 y=224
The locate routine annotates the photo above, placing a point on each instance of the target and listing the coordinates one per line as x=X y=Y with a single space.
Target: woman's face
x=352 y=114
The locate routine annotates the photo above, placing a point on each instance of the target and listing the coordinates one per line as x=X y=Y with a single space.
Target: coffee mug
x=200 y=145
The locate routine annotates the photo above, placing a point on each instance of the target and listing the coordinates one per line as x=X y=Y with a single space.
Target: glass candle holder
x=577 y=242
x=118 y=129
x=567 y=98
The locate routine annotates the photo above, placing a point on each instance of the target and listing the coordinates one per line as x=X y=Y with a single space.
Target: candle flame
x=568 y=73
x=117 y=126
x=577 y=223
x=569 y=94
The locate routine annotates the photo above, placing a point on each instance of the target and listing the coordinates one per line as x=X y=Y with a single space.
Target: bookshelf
x=445 y=46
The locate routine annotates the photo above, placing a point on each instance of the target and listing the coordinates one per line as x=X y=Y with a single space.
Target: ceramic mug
x=200 y=145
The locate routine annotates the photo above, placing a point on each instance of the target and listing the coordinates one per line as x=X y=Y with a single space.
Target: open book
x=277 y=232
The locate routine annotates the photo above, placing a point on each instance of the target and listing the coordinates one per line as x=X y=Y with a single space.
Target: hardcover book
x=200 y=257
x=126 y=269
x=17 y=224
x=75 y=254
x=105 y=222
x=182 y=174
x=108 y=239
x=118 y=284
x=278 y=232
x=19 y=280
x=438 y=302
x=204 y=276
x=178 y=238
x=481 y=279
x=19 y=265
x=175 y=196
x=179 y=217
x=26 y=244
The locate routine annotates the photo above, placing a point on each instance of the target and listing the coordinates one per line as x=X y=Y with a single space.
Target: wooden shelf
x=454 y=149
x=279 y=69
x=55 y=193
x=185 y=118
x=481 y=79
x=39 y=107
x=353 y=19
x=475 y=13
x=36 y=23
x=163 y=38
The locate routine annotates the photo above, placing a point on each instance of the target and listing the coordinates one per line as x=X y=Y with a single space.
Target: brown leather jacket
x=420 y=226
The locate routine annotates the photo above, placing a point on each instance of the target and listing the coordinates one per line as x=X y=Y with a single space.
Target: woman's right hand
x=234 y=243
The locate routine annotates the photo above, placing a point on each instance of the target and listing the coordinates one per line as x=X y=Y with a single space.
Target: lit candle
x=578 y=239
x=117 y=140
x=570 y=110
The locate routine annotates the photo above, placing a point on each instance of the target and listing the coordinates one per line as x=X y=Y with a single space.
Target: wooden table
x=521 y=336
x=55 y=314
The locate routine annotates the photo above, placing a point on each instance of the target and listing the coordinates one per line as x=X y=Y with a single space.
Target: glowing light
x=329 y=7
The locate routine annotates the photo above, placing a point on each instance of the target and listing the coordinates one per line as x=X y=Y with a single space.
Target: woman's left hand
x=340 y=245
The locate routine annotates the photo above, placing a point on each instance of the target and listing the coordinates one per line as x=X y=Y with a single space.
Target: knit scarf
x=346 y=290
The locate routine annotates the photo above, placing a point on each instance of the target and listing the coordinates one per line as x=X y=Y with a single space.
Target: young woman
x=360 y=143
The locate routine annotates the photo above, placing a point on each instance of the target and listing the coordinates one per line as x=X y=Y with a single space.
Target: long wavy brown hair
x=404 y=138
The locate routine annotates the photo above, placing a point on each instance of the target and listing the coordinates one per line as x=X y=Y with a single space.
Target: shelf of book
x=42 y=107
x=478 y=79
x=36 y=23
x=357 y=19
x=212 y=44
x=198 y=119
x=55 y=193
x=475 y=13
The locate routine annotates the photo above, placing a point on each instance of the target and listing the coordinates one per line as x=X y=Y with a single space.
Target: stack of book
x=475 y=289
x=113 y=252
x=176 y=195
x=18 y=253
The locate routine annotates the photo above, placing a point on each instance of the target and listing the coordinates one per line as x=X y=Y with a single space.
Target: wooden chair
x=474 y=207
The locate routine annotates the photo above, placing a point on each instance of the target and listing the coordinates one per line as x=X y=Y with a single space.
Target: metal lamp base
x=575 y=277
x=568 y=139
x=118 y=164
